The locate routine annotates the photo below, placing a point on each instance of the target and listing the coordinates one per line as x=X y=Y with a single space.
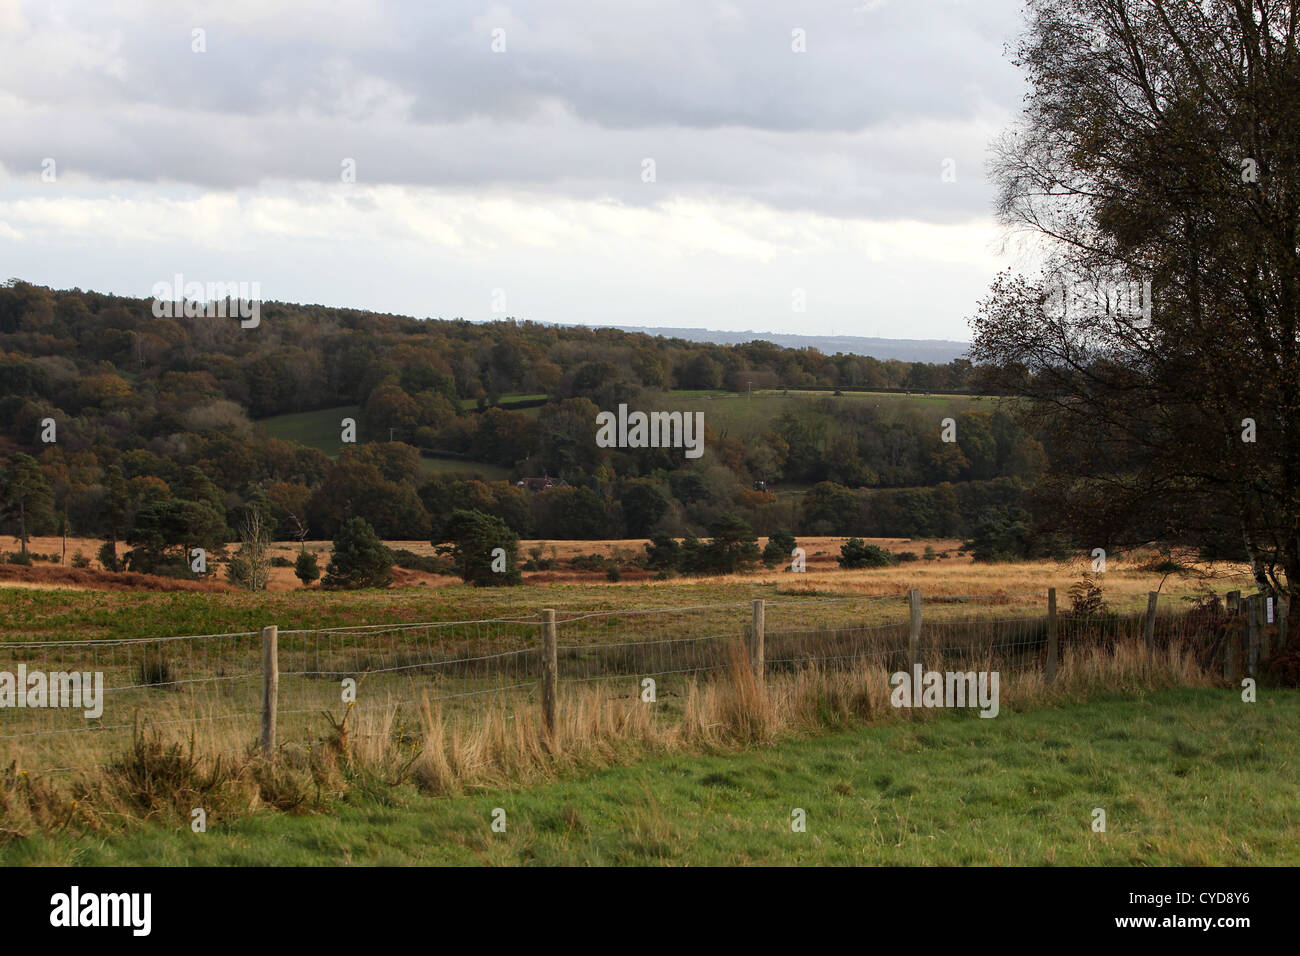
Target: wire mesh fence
x=73 y=699
x=454 y=663
x=669 y=642
x=97 y=692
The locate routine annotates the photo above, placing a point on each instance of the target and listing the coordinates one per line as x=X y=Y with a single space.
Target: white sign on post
x=1270 y=610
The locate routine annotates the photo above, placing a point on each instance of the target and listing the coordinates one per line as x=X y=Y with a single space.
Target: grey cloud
x=857 y=126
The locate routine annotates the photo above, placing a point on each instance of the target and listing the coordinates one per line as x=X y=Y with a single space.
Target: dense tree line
x=90 y=355
x=158 y=449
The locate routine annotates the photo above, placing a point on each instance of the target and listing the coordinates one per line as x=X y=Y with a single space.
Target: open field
x=190 y=661
x=736 y=414
x=60 y=613
x=460 y=468
x=1187 y=777
x=321 y=430
x=473 y=656
x=1125 y=583
x=468 y=404
x=742 y=414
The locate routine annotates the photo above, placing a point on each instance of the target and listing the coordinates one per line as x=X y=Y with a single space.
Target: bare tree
x=250 y=567
x=299 y=531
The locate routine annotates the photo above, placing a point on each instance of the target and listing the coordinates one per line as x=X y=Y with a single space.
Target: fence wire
x=211 y=685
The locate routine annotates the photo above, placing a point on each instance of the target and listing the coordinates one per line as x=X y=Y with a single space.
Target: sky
x=809 y=167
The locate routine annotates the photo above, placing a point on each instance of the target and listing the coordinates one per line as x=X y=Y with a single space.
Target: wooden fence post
x=270 y=685
x=550 y=670
x=914 y=630
x=756 y=641
x=1283 y=612
x=1230 y=657
x=1051 y=635
x=1232 y=641
x=1153 y=598
x=1252 y=629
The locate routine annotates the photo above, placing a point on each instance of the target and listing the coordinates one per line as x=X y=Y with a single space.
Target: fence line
x=271 y=684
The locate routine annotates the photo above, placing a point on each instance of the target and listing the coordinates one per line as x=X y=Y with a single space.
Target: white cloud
x=477 y=169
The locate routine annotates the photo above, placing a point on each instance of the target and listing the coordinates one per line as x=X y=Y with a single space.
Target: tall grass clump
x=503 y=743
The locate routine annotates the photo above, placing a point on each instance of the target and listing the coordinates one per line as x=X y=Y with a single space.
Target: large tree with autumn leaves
x=1160 y=143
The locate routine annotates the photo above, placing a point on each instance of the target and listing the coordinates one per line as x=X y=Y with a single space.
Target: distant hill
x=937 y=351
x=171 y=429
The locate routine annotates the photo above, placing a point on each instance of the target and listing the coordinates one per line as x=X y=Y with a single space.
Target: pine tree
x=360 y=559
x=26 y=495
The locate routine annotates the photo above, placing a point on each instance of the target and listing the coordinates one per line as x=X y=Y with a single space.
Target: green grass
x=915 y=398
x=465 y=469
x=737 y=414
x=742 y=415
x=58 y=614
x=734 y=412
x=321 y=429
x=1192 y=777
x=467 y=404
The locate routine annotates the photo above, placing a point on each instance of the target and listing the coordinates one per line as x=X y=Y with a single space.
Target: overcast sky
x=516 y=177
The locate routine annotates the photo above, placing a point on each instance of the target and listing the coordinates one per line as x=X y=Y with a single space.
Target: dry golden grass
x=164 y=776
x=1126 y=582
x=738 y=711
